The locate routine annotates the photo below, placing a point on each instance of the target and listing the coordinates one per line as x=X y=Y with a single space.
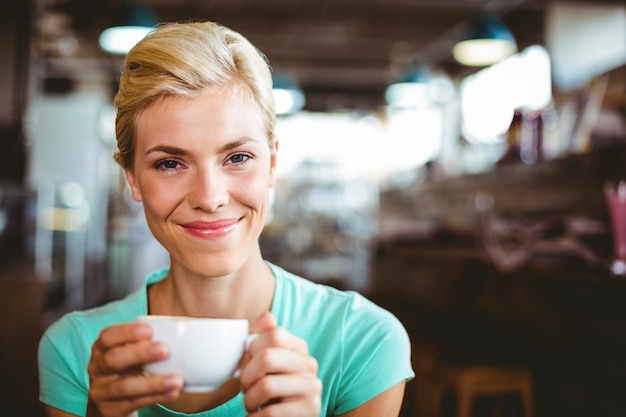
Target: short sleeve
x=376 y=354
x=63 y=381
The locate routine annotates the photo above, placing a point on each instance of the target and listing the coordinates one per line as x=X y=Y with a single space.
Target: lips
x=211 y=230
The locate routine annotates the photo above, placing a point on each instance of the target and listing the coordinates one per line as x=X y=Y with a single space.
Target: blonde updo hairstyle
x=187 y=59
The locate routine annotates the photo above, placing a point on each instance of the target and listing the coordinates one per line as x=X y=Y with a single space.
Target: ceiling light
x=487 y=42
x=288 y=96
x=411 y=90
x=133 y=22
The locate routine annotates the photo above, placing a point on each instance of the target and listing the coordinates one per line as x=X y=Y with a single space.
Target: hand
x=118 y=387
x=278 y=376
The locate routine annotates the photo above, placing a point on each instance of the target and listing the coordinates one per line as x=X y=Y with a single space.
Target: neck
x=246 y=293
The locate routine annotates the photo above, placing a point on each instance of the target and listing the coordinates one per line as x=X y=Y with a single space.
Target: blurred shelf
x=569 y=185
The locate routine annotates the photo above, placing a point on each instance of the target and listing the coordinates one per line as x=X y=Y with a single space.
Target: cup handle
x=249 y=340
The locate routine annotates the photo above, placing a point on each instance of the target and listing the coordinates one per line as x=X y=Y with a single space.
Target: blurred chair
x=468 y=383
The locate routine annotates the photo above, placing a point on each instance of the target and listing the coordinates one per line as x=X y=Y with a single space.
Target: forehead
x=232 y=92
x=228 y=106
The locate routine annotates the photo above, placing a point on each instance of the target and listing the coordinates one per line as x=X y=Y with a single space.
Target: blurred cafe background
x=479 y=197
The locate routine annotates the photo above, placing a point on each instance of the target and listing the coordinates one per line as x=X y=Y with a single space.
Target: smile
x=211 y=230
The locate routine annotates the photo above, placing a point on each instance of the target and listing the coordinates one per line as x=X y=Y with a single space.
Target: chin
x=215 y=266
x=213 y=261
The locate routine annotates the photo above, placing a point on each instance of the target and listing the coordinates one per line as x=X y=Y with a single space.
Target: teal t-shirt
x=362 y=349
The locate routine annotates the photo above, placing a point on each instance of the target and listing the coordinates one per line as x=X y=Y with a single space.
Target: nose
x=208 y=190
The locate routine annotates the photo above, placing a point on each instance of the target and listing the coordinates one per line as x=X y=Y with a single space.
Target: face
x=203 y=168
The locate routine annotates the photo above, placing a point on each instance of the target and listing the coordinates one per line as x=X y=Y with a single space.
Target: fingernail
x=172 y=381
x=142 y=331
x=158 y=349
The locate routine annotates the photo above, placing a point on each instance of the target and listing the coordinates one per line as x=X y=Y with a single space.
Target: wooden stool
x=470 y=382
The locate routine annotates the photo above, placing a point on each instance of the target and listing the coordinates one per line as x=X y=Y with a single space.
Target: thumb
x=265 y=322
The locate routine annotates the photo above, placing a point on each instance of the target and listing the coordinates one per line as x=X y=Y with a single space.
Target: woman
x=195 y=130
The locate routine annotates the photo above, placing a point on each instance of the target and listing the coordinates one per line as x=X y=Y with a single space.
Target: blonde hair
x=187 y=59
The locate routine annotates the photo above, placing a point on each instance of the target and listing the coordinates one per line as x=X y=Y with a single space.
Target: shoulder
x=83 y=327
x=321 y=303
x=93 y=320
x=292 y=285
x=297 y=291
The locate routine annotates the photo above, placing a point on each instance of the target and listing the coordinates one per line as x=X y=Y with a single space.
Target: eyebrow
x=173 y=150
x=235 y=144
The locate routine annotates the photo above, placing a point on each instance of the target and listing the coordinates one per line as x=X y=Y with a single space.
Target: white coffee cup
x=206 y=352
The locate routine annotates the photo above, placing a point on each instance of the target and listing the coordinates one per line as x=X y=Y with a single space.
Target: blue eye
x=239 y=158
x=167 y=164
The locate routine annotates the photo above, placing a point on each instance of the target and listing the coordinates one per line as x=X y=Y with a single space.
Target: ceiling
x=343 y=52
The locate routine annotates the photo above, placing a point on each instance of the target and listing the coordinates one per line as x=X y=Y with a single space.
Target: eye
x=238 y=158
x=168 y=164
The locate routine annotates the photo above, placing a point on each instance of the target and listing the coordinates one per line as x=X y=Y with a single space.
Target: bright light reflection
x=64 y=219
x=349 y=140
x=72 y=194
x=121 y=39
x=413 y=138
x=482 y=52
x=490 y=97
x=288 y=100
x=361 y=147
x=409 y=94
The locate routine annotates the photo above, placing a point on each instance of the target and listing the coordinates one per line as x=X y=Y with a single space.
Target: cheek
x=159 y=200
x=254 y=192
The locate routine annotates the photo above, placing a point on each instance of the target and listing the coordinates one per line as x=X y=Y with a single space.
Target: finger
x=122 y=395
x=265 y=322
x=126 y=407
x=282 y=388
x=275 y=361
x=126 y=358
x=128 y=387
x=278 y=337
x=122 y=334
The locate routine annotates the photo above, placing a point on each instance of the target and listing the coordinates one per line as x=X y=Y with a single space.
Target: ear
x=130 y=177
x=273 y=160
